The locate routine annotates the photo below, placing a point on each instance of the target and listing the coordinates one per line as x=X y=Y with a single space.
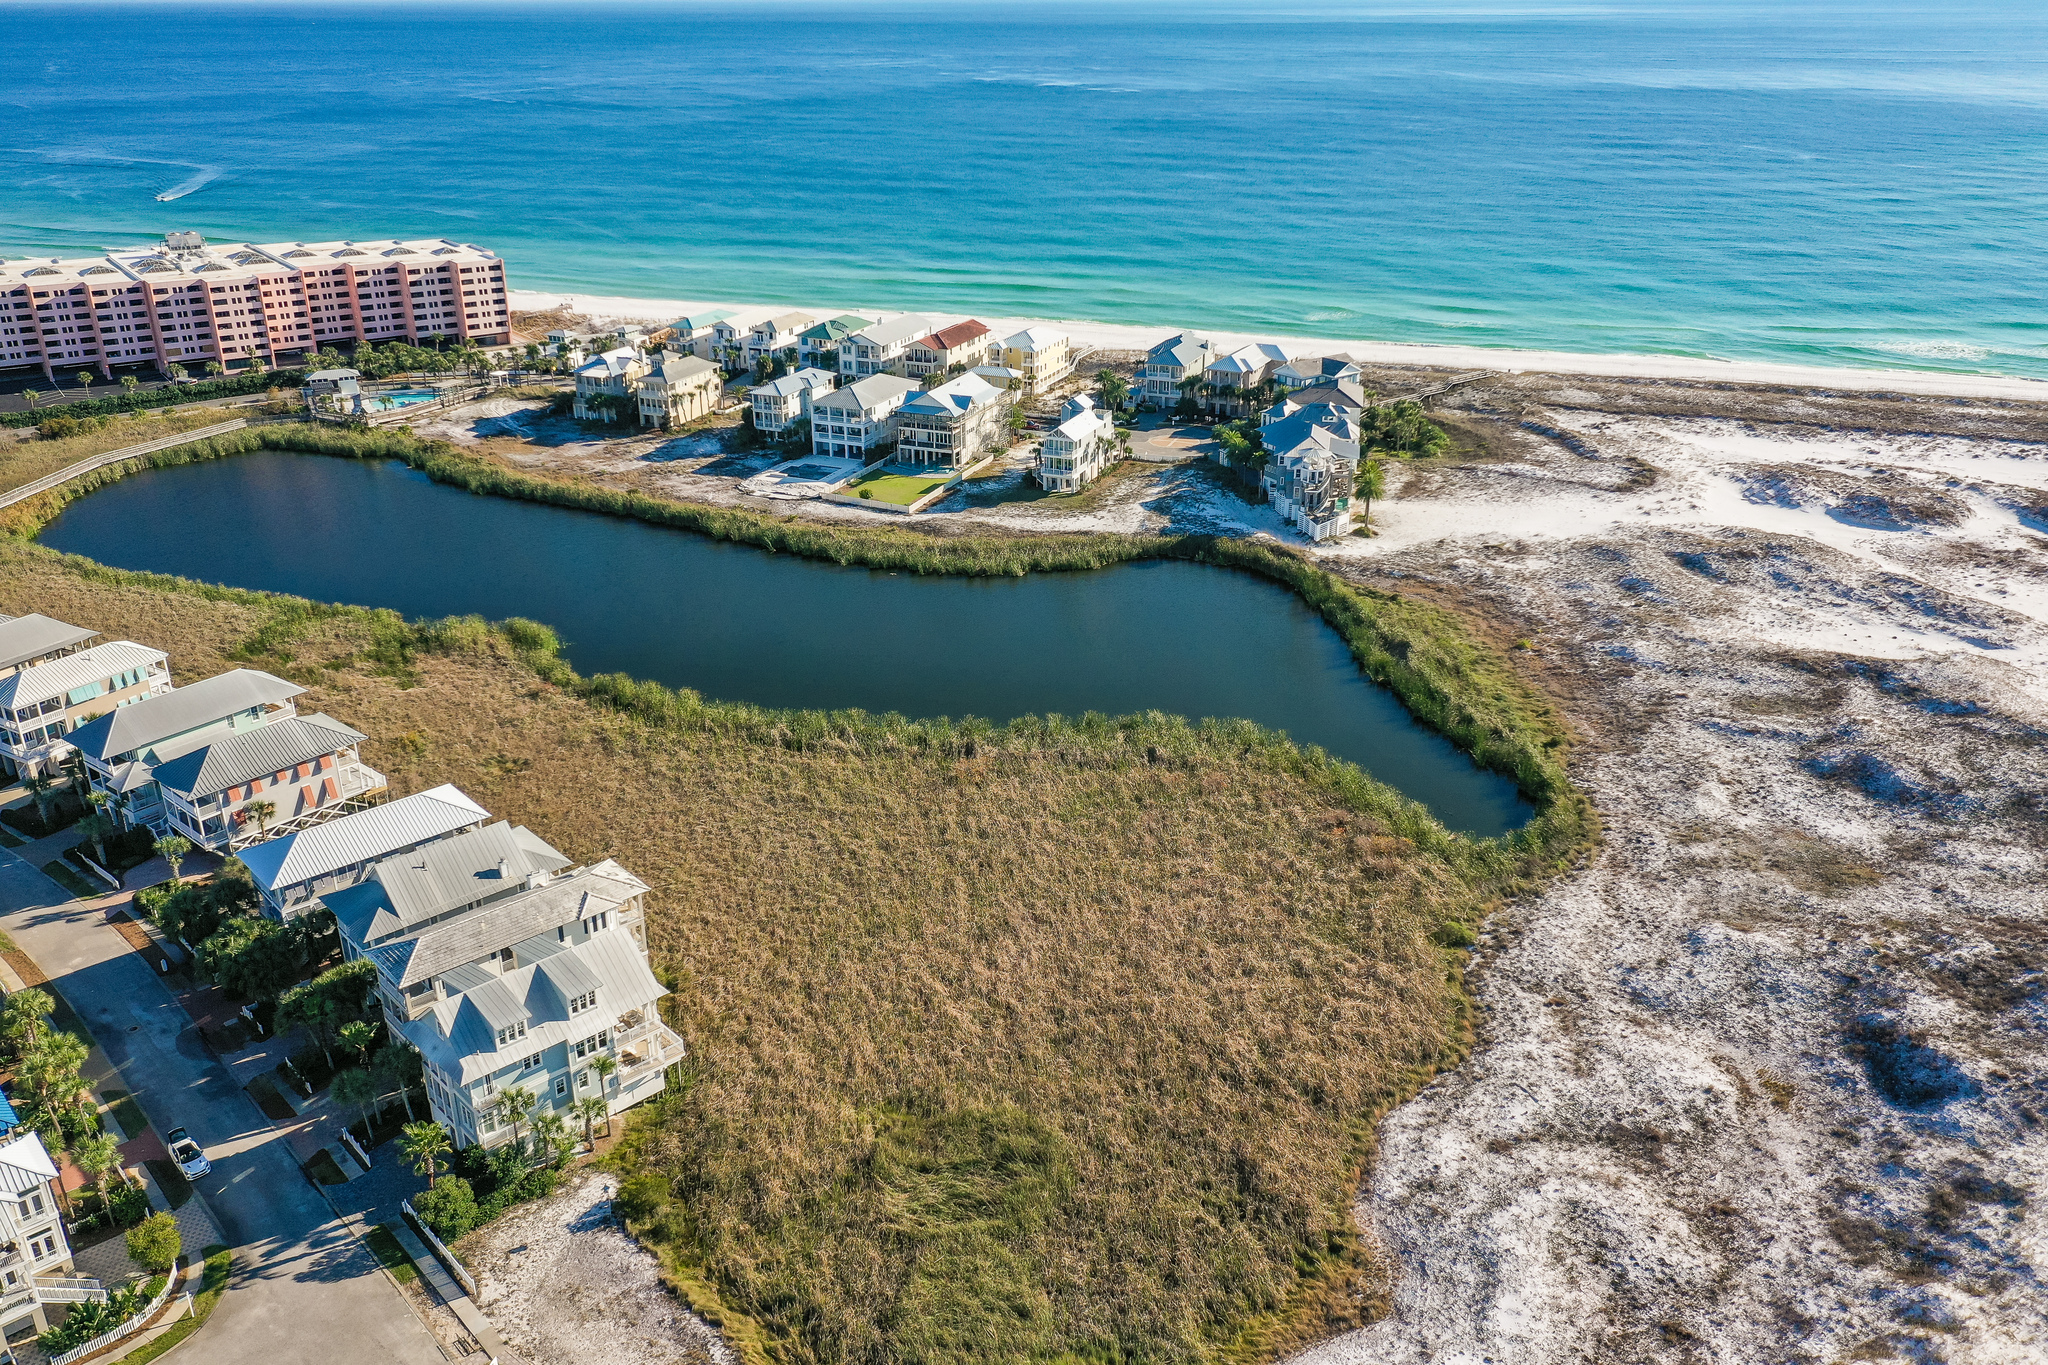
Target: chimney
x=504 y=868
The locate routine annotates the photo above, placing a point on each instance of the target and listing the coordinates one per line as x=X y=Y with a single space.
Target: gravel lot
x=565 y=1286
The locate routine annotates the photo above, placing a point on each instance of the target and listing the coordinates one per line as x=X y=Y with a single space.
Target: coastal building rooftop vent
x=290 y=254
x=99 y=270
x=351 y=252
x=246 y=257
x=154 y=265
x=210 y=265
x=184 y=241
x=444 y=251
x=42 y=270
x=399 y=251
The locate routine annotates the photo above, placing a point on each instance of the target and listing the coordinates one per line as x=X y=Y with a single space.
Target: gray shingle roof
x=876 y=388
x=181 y=709
x=244 y=755
x=906 y=328
x=31 y=636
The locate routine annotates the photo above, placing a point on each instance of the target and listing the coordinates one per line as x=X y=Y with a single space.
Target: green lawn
x=390 y=1254
x=78 y=886
x=899 y=489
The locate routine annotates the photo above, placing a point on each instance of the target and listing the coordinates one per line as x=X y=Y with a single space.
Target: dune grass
x=24 y=457
x=1062 y=1039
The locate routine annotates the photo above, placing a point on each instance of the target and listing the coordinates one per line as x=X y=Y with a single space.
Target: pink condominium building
x=187 y=302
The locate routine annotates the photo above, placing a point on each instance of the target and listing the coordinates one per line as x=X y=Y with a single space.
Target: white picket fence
x=106 y=1339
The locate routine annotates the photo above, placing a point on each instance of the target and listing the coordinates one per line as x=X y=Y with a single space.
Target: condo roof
x=152 y=719
x=30 y=637
x=696 y=321
x=409 y=889
x=876 y=388
x=1033 y=339
x=375 y=833
x=39 y=681
x=953 y=397
x=501 y=924
x=796 y=382
x=230 y=760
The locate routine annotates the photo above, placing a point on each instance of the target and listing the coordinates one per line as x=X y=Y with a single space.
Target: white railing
x=70 y=472
x=441 y=1252
x=106 y=1339
x=63 y=1289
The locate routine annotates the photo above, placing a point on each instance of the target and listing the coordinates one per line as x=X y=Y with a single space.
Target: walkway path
x=305 y=1291
x=86 y=466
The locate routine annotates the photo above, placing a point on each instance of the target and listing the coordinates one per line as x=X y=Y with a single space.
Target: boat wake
x=199 y=179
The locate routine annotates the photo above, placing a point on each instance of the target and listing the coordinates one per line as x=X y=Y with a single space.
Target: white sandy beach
x=1118 y=336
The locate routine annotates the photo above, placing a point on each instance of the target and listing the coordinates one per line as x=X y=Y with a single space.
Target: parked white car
x=191 y=1161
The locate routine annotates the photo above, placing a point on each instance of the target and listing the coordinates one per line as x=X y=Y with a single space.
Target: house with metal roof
x=1311 y=370
x=1312 y=461
x=123 y=747
x=781 y=403
x=693 y=333
x=506 y=969
x=233 y=789
x=35 y=1253
x=1169 y=365
x=293 y=871
x=1234 y=381
x=774 y=335
x=819 y=344
x=879 y=347
x=675 y=388
x=953 y=425
x=1079 y=448
x=40 y=703
x=1044 y=357
x=959 y=347
x=854 y=419
x=604 y=384
x=35 y=638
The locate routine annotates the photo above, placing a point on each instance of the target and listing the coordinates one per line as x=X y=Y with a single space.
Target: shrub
x=154 y=1243
x=449 y=1208
x=641 y=1197
x=129 y=1204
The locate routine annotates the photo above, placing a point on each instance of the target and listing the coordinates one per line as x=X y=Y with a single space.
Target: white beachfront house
x=507 y=968
x=954 y=424
x=819 y=344
x=692 y=334
x=604 y=384
x=773 y=336
x=35 y=1254
x=729 y=335
x=959 y=347
x=1231 y=380
x=1312 y=460
x=1044 y=357
x=1168 y=364
x=1310 y=371
x=853 y=420
x=1079 y=448
x=294 y=870
x=880 y=347
x=781 y=403
x=677 y=388
x=123 y=748
x=42 y=702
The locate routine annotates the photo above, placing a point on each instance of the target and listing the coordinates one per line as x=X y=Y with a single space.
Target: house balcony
x=645 y=1049
x=360 y=787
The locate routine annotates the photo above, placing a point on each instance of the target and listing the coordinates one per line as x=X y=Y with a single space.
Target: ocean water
x=1825 y=183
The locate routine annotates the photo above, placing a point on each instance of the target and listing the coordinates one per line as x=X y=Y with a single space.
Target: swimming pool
x=385 y=402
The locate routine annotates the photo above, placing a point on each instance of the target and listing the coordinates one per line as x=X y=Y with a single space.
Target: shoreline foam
x=1123 y=336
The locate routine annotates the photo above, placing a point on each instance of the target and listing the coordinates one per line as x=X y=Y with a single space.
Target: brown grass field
x=1037 y=1048
x=26 y=457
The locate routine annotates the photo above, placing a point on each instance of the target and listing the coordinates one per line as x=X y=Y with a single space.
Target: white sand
x=1115 y=336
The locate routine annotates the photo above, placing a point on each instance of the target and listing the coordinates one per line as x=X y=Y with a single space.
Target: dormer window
x=597 y=923
x=511 y=1033
x=588 y=1000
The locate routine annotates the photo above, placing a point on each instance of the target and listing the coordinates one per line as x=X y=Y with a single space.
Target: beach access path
x=304 y=1291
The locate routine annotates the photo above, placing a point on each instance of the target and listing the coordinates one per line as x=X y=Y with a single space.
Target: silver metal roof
x=32 y=636
x=324 y=849
x=243 y=755
x=501 y=924
x=181 y=709
x=38 y=682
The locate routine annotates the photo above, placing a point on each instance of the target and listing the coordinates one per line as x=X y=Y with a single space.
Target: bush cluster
x=486 y=1182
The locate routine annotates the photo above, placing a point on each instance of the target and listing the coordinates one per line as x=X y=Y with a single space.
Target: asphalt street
x=303 y=1290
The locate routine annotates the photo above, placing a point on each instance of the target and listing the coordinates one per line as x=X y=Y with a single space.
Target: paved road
x=304 y=1291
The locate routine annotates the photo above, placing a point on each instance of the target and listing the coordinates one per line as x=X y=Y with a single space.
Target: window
x=596 y=923
x=511 y=1033
x=561 y=1085
x=530 y=1063
x=43 y=1246
x=587 y=1000
x=32 y=1205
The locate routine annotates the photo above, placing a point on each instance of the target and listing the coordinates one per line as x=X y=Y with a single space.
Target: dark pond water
x=740 y=624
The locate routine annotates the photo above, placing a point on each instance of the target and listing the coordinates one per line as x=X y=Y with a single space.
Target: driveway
x=1171 y=444
x=304 y=1290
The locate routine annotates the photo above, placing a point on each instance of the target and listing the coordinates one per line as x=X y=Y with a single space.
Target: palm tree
x=84 y=380
x=215 y=368
x=95 y=1156
x=40 y=788
x=177 y=372
x=602 y=1066
x=394 y=1065
x=260 y=812
x=32 y=396
x=129 y=384
x=1372 y=483
x=359 y=1036
x=25 y=1011
x=513 y=1103
x=590 y=1109
x=357 y=1090
x=551 y=1132
x=98 y=827
x=425 y=1143
x=172 y=848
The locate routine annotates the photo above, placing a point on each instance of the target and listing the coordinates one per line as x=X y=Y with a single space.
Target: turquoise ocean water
x=1826 y=183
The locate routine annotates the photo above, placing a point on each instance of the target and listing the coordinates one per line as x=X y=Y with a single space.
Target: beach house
x=1044 y=357
x=122 y=748
x=293 y=871
x=776 y=335
x=959 y=347
x=1234 y=382
x=676 y=388
x=26 y=641
x=511 y=972
x=1313 y=370
x=781 y=403
x=692 y=334
x=954 y=424
x=729 y=335
x=36 y=1268
x=42 y=702
x=1312 y=460
x=879 y=348
x=1079 y=448
x=235 y=789
x=818 y=345
x=856 y=419
x=1170 y=363
x=604 y=384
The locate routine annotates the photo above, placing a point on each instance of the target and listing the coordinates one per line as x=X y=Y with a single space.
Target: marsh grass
x=25 y=457
x=1062 y=1039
